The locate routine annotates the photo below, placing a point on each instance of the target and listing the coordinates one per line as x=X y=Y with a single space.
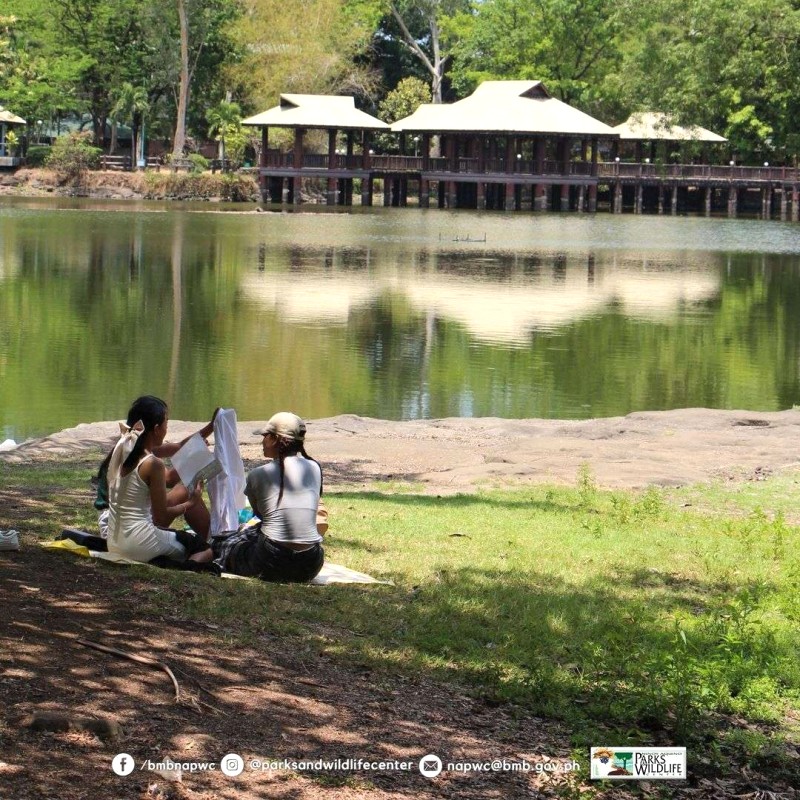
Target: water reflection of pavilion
x=507 y=310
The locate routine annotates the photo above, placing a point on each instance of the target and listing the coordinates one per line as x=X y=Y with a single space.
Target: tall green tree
x=730 y=66
x=224 y=119
x=421 y=28
x=312 y=46
x=571 y=45
x=132 y=104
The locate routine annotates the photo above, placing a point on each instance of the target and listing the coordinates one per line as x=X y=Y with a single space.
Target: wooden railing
x=524 y=167
x=611 y=169
x=123 y=163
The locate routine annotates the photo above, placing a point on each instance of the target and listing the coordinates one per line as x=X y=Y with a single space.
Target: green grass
x=634 y=617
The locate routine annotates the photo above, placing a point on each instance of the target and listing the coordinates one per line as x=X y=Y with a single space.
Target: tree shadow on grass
x=512 y=500
x=597 y=653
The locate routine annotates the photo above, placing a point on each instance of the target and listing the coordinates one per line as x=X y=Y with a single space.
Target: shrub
x=37 y=155
x=72 y=155
x=199 y=163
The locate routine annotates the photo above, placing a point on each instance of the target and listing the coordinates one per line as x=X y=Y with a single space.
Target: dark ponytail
x=291 y=447
x=151 y=411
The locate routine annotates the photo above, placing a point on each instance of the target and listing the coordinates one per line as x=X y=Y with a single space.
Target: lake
x=393 y=313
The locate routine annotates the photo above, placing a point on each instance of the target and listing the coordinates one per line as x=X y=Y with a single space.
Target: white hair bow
x=122 y=449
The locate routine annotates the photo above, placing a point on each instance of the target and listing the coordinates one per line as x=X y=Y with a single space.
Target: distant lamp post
x=766 y=163
x=38 y=131
x=416 y=145
x=733 y=163
x=617 y=159
x=647 y=161
x=372 y=152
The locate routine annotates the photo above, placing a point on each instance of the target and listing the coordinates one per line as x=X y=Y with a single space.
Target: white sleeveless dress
x=131 y=530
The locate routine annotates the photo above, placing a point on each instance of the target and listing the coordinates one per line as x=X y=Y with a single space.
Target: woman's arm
x=153 y=473
x=170 y=448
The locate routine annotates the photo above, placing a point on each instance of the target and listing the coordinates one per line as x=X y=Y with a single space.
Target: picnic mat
x=330 y=573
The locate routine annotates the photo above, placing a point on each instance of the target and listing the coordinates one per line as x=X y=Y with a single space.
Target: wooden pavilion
x=303 y=112
x=509 y=145
x=506 y=140
x=654 y=128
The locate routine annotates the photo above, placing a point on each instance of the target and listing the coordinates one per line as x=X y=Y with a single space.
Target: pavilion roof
x=654 y=125
x=316 y=111
x=504 y=107
x=7 y=117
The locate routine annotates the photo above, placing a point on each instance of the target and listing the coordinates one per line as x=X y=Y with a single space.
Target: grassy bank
x=650 y=618
x=150 y=185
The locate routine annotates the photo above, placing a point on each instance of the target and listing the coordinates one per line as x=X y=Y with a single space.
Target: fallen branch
x=150 y=662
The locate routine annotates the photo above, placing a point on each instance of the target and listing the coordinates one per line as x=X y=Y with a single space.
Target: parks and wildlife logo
x=639 y=763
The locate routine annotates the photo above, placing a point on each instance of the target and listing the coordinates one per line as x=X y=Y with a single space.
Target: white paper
x=194 y=462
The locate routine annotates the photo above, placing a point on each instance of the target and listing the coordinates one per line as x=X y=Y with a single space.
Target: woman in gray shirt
x=284 y=494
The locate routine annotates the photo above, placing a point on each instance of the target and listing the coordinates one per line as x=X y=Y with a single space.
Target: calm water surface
x=395 y=313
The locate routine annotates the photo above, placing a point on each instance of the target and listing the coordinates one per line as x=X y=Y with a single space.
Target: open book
x=194 y=462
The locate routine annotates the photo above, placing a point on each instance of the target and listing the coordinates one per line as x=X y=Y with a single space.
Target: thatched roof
x=504 y=107
x=316 y=111
x=654 y=126
x=9 y=118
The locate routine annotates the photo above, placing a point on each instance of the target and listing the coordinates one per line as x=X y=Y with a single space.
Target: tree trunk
x=135 y=127
x=183 y=93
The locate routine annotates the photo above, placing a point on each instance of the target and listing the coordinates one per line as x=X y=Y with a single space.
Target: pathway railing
x=525 y=167
x=611 y=169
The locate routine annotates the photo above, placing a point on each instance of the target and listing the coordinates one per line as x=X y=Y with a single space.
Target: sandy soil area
x=665 y=448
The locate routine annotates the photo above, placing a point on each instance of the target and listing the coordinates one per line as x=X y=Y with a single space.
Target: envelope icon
x=430 y=764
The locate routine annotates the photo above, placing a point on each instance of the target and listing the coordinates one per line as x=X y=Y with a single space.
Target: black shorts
x=254 y=555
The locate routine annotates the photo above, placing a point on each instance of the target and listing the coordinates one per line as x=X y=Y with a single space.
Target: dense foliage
x=729 y=65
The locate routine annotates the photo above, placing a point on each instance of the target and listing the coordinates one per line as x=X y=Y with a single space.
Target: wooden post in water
x=674 y=203
x=564 y=197
x=616 y=201
x=540 y=197
x=733 y=201
x=424 y=193
x=593 y=198
x=581 y=198
x=784 y=208
x=795 y=198
x=660 y=198
x=639 y=204
x=366 y=190
x=709 y=194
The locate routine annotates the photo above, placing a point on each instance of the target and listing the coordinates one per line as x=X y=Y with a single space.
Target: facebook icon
x=123 y=764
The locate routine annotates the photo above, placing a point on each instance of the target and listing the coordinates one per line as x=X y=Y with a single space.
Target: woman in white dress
x=140 y=508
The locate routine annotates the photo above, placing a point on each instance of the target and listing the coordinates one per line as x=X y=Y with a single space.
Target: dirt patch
x=666 y=448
